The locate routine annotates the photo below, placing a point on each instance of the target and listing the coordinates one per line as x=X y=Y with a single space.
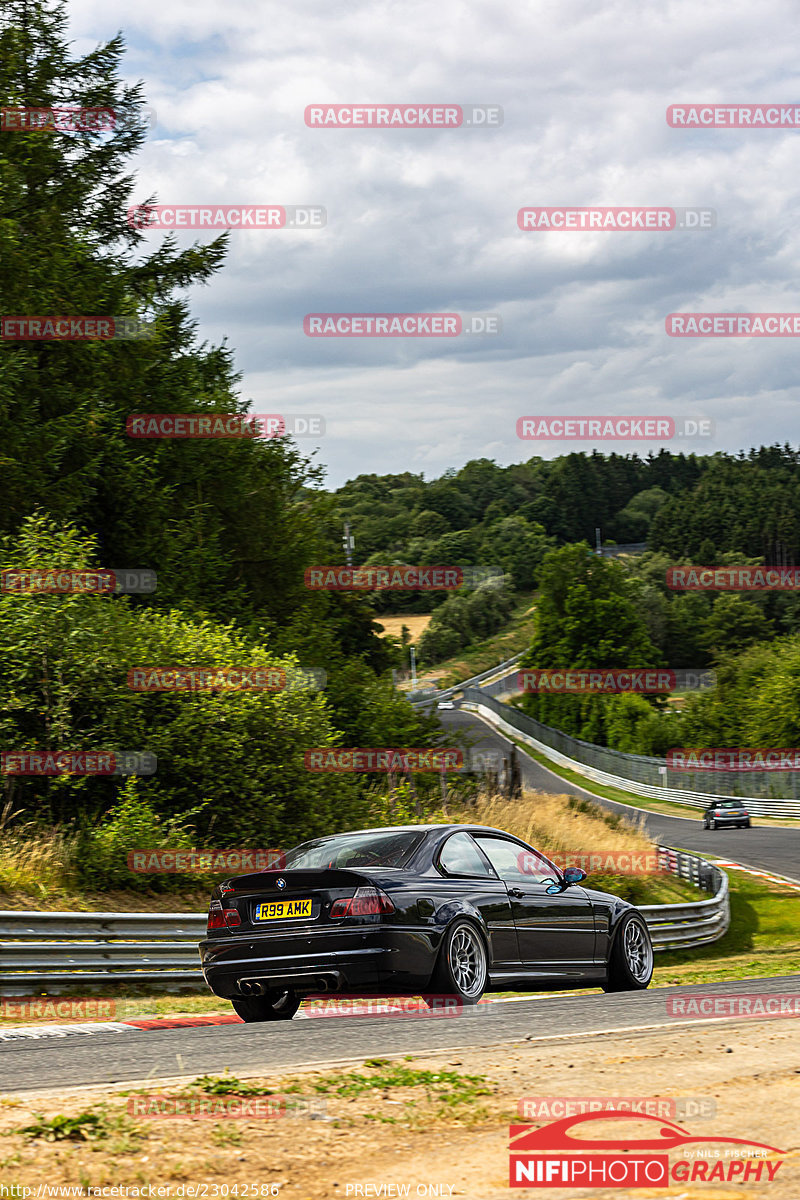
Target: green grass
x=473 y=660
x=227 y=1085
x=448 y=1094
x=763 y=940
x=451 y=1086
x=118 y=1131
x=667 y=808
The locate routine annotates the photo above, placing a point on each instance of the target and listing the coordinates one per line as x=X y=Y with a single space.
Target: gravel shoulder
x=405 y=1128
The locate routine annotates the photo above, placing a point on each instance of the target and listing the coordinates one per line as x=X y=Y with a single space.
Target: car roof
x=414 y=828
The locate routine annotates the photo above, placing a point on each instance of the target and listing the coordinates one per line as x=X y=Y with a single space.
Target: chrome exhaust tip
x=250 y=987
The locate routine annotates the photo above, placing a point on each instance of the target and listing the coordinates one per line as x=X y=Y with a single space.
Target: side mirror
x=571 y=875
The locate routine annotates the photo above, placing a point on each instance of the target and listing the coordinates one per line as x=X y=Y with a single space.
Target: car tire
x=275 y=1006
x=713 y=824
x=630 y=963
x=705 y=822
x=746 y=825
x=462 y=969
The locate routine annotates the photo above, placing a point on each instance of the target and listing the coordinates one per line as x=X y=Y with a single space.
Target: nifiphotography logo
x=656 y=1153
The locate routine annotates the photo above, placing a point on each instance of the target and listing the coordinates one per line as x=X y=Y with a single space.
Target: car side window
x=514 y=863
x=460 y=856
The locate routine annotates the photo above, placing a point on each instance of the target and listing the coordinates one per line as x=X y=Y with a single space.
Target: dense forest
x=603 y=612
x=708 y=510
x=230 y=527
x=688 y=506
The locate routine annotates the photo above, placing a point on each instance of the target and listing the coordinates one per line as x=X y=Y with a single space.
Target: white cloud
x=426 y=220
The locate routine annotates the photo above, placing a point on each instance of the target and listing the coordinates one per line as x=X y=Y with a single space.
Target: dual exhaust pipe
x=317 y=983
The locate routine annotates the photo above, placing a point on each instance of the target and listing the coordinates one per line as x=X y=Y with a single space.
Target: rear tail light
x=219 y=918
x=367 y=902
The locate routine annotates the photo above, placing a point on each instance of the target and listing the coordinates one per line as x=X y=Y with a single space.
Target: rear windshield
x=728 y=804
x=380 y=848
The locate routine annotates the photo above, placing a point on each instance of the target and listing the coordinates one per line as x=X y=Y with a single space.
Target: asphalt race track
x=54 y=1062
x=126 y=1054
x=768 y=848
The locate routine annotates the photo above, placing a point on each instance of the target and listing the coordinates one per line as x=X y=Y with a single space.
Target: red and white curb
x=138 y=1024
x=782 y=880
x=76 y=1028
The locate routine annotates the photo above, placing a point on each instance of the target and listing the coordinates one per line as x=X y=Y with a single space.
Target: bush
x=64 y=661
x=462 y=620
x=133 y=824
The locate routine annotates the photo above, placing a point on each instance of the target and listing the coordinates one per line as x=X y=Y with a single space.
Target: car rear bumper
x=730 y=820
x=310 y=962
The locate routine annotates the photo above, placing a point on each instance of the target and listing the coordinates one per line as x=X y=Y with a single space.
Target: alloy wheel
x=467 y=959
x=638 y=951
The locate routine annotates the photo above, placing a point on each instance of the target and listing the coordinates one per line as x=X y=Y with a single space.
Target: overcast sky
x=426 y=220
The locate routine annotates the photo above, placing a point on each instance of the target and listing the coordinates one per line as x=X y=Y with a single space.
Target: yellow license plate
x=279 y=910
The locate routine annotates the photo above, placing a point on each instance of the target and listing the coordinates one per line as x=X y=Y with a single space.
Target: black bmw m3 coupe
x=453 y=910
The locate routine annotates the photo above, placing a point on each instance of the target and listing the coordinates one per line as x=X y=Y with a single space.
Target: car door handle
x=516 y=892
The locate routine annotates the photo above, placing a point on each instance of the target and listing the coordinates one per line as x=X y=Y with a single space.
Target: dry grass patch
x=393 y=623
x=573 y=825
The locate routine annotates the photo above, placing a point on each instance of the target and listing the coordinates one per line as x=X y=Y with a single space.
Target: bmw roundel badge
x=280 y=883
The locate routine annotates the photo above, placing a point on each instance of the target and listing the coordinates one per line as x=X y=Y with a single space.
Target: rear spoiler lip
x=345 y=877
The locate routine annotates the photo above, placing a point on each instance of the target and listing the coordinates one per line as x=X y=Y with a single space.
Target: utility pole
x=413 y=669
x=348 y=542
x=598 y=542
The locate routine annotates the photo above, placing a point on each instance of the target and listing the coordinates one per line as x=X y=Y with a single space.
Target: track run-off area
x=77 y=1055
x=113 y=1054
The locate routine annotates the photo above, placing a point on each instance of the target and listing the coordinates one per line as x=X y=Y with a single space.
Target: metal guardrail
x=678 y=926
x=61 y=951
x=447 y=693
x=624 y=548
x=638 y=774
x=55 y=952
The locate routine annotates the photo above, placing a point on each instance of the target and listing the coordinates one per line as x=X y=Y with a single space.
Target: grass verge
x=473 y=660
x=763 y=940
x=667 y=808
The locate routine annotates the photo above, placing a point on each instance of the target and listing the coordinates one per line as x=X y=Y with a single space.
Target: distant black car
x=452 y=910
x=726 y=812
